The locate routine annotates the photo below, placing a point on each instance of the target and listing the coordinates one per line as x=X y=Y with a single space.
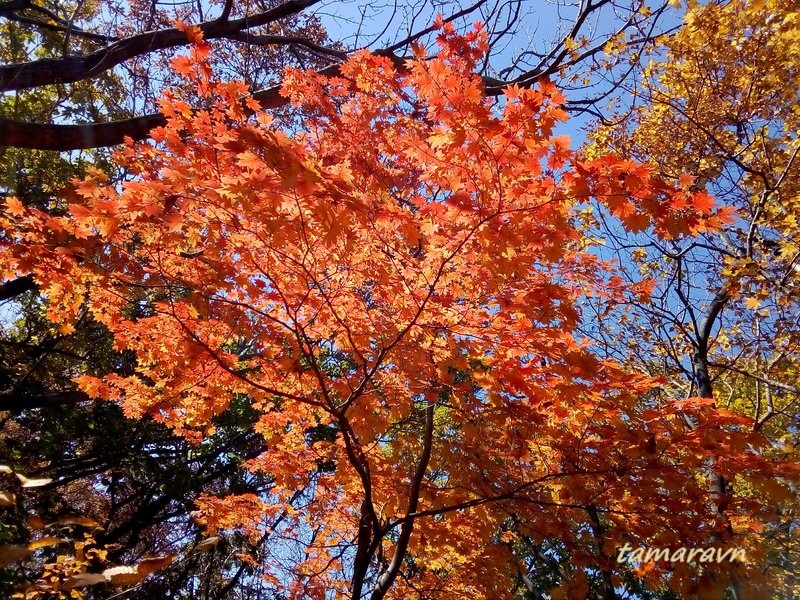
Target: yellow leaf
x=76 y=520
x=752 y=303
x=44 y=543
x=206 y=544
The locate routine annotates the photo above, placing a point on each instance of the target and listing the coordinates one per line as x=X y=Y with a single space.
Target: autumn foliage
x=394 y=281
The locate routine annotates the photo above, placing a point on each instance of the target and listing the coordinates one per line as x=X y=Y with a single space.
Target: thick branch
x=609 y=592
x=44 y=136
x=704 y=330
x=61 y=138
x=15 y=402
x=286 y=40
x=387 y=578
x=7 y=8
x=15 y=287
x=77 y=68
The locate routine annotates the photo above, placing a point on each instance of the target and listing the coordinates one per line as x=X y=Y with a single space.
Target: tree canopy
x=378 y=331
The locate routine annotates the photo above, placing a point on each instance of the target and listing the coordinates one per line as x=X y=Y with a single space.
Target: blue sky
x=366 y=23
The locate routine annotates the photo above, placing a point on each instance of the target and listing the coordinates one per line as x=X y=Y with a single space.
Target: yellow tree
x=721 y=102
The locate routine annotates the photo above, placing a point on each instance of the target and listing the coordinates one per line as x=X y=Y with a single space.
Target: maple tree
x=394 y=284
x=134 y=480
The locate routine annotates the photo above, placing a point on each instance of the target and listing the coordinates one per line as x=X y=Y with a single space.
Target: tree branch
x=387 y=578
x=15 y=287
x=97 y=37
x=77 y=68
x=62 y=138
x=13 y=401
x=712 y=312
x=11 y=6
x=793 y=389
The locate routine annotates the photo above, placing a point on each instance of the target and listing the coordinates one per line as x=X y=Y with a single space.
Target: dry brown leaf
x=11 y=553
x=84 y=580
x=7 y=499
x=206 y=544
x=123 y=575
x=133 y=575
x=156 y=563
x=34 y=522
